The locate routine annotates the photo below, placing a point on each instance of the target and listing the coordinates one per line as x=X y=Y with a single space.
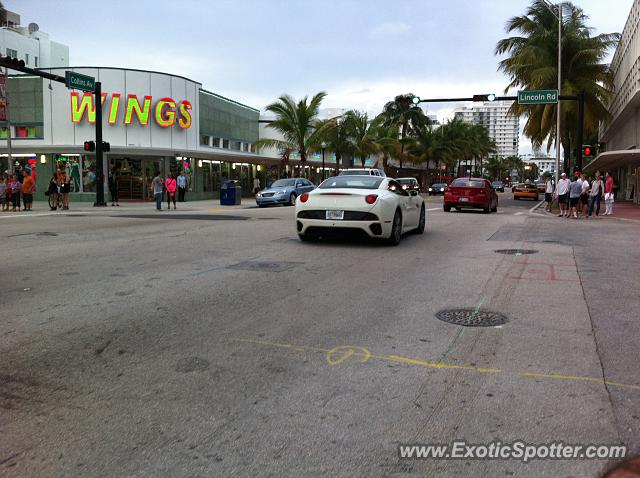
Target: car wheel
x=421 y=222
x=447 y=208
x=515 y=198
x=495 y=208
x=396 y=229
x=261 y=205
x=307 y=237
x=487 y=209
x=292 y=199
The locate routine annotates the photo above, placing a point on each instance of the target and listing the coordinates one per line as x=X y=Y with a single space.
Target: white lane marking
x=434 y=209
x=518 y=213
x=537 y=206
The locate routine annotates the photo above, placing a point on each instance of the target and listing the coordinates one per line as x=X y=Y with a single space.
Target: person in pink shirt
x=608 y=195
x=171 y=186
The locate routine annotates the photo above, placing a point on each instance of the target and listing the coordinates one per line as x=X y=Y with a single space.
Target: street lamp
x=559 y=17
x=323 y=145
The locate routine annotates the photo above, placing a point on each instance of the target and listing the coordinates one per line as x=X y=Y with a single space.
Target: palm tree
x=336 y=134
x=296 y=122
x=405 y=116
x=532 y=65
x=363 y=135
x=386 y=140
x=3 y=14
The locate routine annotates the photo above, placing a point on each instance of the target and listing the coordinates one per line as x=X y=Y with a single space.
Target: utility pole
x=559 y=92
x=6 y=109
x=99 y=159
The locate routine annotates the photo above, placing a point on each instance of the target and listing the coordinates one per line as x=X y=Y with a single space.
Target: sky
x=361 y=52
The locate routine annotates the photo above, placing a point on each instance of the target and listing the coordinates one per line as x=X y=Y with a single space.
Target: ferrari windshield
x=352 y=182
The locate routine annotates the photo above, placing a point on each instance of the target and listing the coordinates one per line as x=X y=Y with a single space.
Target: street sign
x=537 y=97
x=80 y=82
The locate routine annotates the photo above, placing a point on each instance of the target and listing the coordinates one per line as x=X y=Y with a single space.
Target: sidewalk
x=42 y=207
x=625 y=210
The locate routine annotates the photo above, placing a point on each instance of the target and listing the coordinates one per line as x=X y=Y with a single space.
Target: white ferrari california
x=376 y=206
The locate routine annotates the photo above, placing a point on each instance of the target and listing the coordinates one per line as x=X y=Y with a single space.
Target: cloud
x=390 y=29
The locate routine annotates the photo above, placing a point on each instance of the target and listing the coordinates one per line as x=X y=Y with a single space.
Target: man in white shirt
x=562 y=193
x=548 y=193
x=584 y=196
x=256 y=185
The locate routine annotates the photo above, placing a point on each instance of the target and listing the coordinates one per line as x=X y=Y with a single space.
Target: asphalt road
x=208 y=343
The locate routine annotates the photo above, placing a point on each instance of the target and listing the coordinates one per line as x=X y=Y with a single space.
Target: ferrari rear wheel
x=396 y=229
x=307 y=237
x=421 y=222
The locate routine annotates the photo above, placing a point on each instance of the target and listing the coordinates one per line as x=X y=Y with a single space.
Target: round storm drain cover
x=471 y=317
x=46 y=233
x=515 y=252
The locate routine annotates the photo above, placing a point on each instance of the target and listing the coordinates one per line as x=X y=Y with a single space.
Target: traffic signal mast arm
x=479 y=98
x=18 y=65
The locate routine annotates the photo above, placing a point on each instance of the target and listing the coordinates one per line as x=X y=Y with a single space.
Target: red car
x=473 y=193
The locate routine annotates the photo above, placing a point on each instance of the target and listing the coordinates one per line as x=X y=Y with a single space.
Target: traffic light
x=408 y=99
x=89 y=146
x=587 y=151
x=487 y=97
x=106 y=147
x=11 y=63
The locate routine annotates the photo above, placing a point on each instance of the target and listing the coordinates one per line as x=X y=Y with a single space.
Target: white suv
x=363 y=172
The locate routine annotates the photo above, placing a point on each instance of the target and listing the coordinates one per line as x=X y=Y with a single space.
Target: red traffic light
x=89 y=146
x=587 y=151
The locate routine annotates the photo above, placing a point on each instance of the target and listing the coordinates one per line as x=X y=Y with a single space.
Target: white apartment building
x=620 y=137
x=502 y=126
x=545 y=163
x=30 y=44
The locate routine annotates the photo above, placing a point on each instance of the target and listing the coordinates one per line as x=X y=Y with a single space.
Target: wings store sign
x=166 y=111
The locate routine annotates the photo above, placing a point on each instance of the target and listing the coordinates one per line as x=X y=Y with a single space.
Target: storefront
x=154 y=123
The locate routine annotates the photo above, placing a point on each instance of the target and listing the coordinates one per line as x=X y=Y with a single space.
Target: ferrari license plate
x=335 y=215
x=463 y=199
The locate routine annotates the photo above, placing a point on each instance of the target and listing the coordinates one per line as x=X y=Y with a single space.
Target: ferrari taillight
x=304 y=197
x=371 y=198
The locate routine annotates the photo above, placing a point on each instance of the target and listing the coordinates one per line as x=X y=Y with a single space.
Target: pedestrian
x=575 y=190
x=595 y=194
x=16 y=188
x=584 y=195
x=548 y=192
x=171 y=185
x=256 y=185
x=182 y=186
x=562 y=193
x=114 y=184
x=28 y=186
x=65 y=188
x=3 y=193
x=608 y=194
x=157 y=184
x=52 y=192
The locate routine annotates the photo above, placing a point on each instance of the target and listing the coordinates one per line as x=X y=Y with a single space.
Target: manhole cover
x=264 y=266
x=471 y=317
x=515 y=252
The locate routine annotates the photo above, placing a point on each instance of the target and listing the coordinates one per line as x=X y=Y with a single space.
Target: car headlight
x=441 y=189
x=280 y=193
x=430 y=189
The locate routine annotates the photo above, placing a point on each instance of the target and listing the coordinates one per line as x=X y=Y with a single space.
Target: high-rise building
x=30 y=44
x=502 y=126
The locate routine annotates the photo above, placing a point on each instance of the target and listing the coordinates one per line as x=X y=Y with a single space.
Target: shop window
x=35 y=59
x=225 y=143
x=236 y=145
x=12 y=53
x=204 y=139
x=207 y=181
x=25 y=132
x=216 y=142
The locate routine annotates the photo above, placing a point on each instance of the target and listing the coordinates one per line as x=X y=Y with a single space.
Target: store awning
x=613 y=160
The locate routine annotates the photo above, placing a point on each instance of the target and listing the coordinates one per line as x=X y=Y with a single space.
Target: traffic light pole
x=99 y=159
x=580 y=130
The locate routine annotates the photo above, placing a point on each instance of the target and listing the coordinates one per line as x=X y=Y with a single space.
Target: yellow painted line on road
x=338 y=355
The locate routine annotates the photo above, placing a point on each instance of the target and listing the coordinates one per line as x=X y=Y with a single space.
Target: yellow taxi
x=528 y=191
